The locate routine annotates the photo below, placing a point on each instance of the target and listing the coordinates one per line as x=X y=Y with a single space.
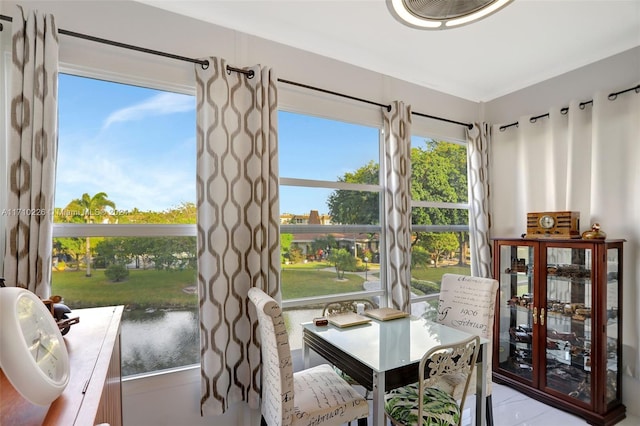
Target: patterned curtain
x=478 y=164
x=238 y=225
x=397 y=202
x=32 y=151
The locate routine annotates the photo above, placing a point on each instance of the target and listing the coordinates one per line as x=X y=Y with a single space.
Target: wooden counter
x=94 y=393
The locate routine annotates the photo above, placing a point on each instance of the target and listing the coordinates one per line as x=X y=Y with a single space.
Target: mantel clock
x=558 y=225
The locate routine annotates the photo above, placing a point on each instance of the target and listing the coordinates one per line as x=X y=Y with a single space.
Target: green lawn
x=435 y=274
x=297 y=283
x=152 y=288
x=143 y=288
x=165 y=289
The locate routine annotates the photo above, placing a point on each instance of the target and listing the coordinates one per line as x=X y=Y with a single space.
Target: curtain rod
x=248 y=73
x=204 y=63
x=563 y=111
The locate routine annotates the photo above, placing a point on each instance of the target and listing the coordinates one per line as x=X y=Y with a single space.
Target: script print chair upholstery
x=468 y=304
x=425 y=403
x=316 y=396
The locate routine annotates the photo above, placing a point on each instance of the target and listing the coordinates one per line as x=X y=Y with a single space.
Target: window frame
x=306 y=103
x=152 y=230
x=360 y=115
x=439 y=204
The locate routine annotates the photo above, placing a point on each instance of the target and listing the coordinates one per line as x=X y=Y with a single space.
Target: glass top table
x=383 y=355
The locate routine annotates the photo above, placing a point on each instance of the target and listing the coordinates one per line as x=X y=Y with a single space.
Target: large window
x=124 y=223
x=330 y=214
x=125 y=215
x=439 y=216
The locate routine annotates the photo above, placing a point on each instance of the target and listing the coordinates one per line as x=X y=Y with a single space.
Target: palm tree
x=91 y=207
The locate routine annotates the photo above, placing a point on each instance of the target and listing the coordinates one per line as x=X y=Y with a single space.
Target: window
x=440 y=217
x=330 y=214
x=124 y=223
x=124 y=229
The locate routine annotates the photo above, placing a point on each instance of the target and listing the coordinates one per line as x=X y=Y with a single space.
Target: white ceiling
x=527 y=42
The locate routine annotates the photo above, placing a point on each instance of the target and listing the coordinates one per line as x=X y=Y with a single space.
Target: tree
x=173 y=253
x=65 y=247
x=438 y=244
x=356 y=207
x=90 y=208
x=285 y=246
x=439 y=173
x=185 y=213
x=325 y=244
x=342 y=260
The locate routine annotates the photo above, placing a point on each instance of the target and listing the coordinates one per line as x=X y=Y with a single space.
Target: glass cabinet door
x=566 y=319
x=558 y=331
x=612 y=390
x=516 y=337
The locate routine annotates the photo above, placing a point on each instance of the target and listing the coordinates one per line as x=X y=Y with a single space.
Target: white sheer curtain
x=238 y=225
x=586 y=160
x=32 y=151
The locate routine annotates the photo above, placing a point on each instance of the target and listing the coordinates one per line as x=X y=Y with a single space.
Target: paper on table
x=384 y=314
x=348 y=319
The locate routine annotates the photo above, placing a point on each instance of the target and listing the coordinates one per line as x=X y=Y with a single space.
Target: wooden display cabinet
x=558 y=328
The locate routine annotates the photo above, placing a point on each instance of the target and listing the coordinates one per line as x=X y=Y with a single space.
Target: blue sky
x=135 y=144
x=138 y=146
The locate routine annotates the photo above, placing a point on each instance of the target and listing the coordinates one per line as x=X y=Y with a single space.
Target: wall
x=617 y=72
x=173 y=398
x=170 y=399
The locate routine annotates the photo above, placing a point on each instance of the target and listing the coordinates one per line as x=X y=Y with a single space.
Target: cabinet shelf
x=558 y=329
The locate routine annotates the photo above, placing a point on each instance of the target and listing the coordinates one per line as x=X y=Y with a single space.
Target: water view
x=158 y=339
x=154 y=340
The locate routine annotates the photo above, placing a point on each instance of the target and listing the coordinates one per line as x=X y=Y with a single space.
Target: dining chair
x=424 y=402
x=468 y=304
x=314 y=396
x=342 y=307
x=345 y=306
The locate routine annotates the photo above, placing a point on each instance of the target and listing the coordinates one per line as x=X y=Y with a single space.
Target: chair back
x=346 y=306
x=454 y=360
x=277 y=368
x=468 y=304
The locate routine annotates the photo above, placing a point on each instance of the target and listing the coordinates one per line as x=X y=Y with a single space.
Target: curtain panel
x=587 y=161
x=32 y=151
x=397 y=203
x=238 y=226
x=479 y=139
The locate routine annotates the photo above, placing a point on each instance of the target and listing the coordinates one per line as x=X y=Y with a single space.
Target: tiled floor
x=510 y=407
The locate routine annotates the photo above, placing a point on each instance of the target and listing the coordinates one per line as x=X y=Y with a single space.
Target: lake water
x=158 y=340
x=154 y=340
x=163 y=339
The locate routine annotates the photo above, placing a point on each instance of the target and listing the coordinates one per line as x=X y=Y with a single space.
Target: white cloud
x=161 y=104
x=129 y=183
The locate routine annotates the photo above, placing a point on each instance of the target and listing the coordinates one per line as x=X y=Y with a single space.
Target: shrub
x=426 y=287
x=295 y=255
x=116 y=272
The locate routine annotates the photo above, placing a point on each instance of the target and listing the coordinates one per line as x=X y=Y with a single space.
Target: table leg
x=378 y=398
x=481 y=388
x=305 y=354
